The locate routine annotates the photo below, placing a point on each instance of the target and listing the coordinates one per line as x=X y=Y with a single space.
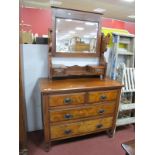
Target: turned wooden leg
x=47 y=146
x=109 y=133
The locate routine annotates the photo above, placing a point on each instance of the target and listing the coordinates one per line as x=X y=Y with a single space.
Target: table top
x=47 y=85
x=129 y=147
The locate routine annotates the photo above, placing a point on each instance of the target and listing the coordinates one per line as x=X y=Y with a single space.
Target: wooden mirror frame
x=75 y=15
x=63 y=71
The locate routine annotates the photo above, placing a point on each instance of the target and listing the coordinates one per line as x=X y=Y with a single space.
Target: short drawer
x=77 y=128
x=66 y=99
x=82 y=112
x=100 y=96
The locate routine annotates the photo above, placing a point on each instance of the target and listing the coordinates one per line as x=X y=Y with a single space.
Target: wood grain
x=70 y=107
x=100 y=96
x=80 y=127
x=22 y=108
x=80 y=84
x=46 y=120
x=82 y=112
x=66 y=99
x=80 y=116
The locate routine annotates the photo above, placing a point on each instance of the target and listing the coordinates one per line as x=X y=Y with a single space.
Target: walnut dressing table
x=87 y=103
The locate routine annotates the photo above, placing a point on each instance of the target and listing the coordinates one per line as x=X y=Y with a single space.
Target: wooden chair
x=126 y=75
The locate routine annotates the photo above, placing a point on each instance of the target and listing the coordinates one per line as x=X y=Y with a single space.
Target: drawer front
x=100 y=96
x=82 y=112
x=77 y=128
x=66 y=99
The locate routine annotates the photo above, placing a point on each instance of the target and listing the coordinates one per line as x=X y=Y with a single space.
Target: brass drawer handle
x=67 y=100
x=67 y=116
x=101 y=111
x=103 y=97
x=98 y=126
x=67 y=132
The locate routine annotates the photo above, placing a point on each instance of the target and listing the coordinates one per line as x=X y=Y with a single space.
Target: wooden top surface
x=47 y=85
x=129 y=147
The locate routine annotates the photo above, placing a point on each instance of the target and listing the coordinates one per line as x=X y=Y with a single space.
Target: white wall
x=75 y=61
x=35 y=65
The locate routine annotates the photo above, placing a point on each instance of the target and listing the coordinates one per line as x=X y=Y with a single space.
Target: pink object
x=40 y=20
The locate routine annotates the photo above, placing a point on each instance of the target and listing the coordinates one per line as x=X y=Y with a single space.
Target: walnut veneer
x=75 y=107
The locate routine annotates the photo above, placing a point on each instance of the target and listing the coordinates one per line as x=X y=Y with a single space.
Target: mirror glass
x=76 y=36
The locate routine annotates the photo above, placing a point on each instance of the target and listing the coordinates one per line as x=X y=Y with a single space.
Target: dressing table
x=77 y=99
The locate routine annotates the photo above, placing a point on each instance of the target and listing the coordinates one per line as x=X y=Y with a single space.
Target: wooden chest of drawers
x=75 y=107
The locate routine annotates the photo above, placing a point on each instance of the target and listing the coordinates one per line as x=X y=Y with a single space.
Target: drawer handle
x=67 y=116
x=102 y=97
x=101 y=111
x=67 y=132
x=98 y=126
x=67 y=100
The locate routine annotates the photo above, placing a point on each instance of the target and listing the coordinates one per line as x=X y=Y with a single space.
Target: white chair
x=127 y=77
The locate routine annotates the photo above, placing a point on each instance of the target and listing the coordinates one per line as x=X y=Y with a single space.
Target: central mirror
x=76 y=36
x=75 y=33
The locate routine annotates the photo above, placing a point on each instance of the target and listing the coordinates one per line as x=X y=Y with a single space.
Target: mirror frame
x=75 y=15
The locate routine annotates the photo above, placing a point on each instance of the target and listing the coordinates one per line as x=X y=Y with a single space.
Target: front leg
x=47 y=146
x=110 y=133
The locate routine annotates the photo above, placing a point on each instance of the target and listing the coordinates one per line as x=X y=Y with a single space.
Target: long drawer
x=66 y=99
x=101 y=109
x=77 y=128
x=101 y=96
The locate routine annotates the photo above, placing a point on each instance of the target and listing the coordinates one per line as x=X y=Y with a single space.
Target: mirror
x=75 y=33
x=76 y=36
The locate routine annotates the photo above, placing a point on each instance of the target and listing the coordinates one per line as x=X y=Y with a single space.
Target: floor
x=98 y=144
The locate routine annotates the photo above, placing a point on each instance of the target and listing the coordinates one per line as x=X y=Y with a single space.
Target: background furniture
x=121 y=68
x=129 y=147
x=126 y=75
x=122 y=51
